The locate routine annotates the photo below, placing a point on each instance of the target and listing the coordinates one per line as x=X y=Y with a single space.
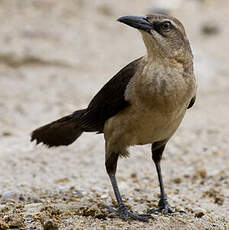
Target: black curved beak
x=137 y=22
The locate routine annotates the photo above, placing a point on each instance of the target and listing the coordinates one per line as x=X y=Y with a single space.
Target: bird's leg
x=163 y=206
x=124 y=213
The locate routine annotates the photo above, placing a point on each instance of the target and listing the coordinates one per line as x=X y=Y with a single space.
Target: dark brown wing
x=109 y=100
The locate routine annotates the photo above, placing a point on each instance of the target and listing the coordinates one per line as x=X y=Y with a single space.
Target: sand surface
x=54 y=56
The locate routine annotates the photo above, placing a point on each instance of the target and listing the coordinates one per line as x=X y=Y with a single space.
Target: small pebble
x=50 y=225
x=199 y=212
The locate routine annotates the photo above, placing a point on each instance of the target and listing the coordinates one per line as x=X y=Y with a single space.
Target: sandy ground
x=54 y=56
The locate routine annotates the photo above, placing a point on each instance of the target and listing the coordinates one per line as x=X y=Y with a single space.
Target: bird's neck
x=158 y=57
x=159 y=60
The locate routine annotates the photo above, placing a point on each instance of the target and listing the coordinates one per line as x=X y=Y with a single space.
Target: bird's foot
x=125 y=214
x=164 y=208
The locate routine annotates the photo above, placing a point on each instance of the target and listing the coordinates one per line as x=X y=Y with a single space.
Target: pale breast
x=164 y=89
x=160 y=98
x=158 y=104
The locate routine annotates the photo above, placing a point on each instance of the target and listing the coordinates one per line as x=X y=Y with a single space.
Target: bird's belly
x=154 y=127
x=131 y=127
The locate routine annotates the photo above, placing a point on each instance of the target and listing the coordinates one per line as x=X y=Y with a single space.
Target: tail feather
x=63 y=131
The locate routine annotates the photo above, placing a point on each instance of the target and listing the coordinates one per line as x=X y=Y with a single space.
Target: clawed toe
x=164 y=208
x=140 y=217
x=110 y=209
x=125 y=214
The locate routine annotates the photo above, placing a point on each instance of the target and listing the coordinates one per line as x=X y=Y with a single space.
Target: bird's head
x=164 y=36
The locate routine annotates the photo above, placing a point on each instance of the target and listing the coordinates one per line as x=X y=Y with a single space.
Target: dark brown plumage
x=63 y=131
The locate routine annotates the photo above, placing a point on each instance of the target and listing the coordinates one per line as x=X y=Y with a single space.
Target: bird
x=144 y=103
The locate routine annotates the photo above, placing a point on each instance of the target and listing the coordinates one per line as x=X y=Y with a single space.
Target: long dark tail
x=63 y=131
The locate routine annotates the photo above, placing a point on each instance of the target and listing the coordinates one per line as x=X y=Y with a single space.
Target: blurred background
x=54 y=57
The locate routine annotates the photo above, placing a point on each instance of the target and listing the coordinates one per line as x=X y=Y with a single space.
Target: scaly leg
x=124 y=213
x=163 y=206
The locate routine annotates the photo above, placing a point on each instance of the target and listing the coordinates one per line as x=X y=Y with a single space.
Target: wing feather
x=109 y=100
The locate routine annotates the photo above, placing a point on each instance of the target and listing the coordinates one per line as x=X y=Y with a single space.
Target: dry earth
x=54 y=56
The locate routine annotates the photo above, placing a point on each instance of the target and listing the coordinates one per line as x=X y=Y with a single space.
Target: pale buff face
x=167 y=37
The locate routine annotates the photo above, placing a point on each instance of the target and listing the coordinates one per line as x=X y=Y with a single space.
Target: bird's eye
x=166 y=26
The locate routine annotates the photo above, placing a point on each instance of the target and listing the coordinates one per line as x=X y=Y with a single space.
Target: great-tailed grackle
x=143 y=103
